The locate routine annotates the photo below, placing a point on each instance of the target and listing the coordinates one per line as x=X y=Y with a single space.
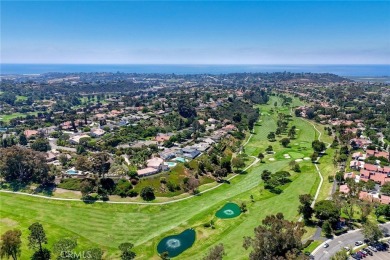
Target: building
x=30 y=133
x=97 y=132
x=76 y=139
x=190 y=152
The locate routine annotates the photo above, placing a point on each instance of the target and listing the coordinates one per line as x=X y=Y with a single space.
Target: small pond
x=230 y=210
x=177 y=244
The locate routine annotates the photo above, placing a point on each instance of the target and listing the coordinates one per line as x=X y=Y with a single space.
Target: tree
x=215 y=253
x=294 y=166
x=349 y=208
x=238 y=162
x=276 y=238
x=266 y=175
x=318 y=146
x=305 y=208
x=11 y=243
x=261 y=156
x=382 y=210
x=41 y=145
x=371 y=231
x=147 y=193
x=23 y=165
x=64 y=246
x=126 y=253
x=341 y=255
x=314 y=157
x=365 y=209
x=94 y=254
x=269 y=149
x=243 y=208
x=292 y=132
x=327 y=228
x=83 y=163
x=385 y=189
x=271 y=136
x=42 y=255
x=327 y=210
x=36 y=239
x=23 y=139
x=100 y=163
x=285 y=142
x=86 y=187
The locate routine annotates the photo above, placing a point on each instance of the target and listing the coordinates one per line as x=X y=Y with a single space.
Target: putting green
x=230 y=210
x=177 y=244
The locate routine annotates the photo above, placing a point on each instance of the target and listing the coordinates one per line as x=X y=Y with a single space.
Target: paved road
x=340 y=242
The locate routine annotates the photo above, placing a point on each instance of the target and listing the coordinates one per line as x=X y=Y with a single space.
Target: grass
x=7 y=118
x=313 y=245
x=108 y=225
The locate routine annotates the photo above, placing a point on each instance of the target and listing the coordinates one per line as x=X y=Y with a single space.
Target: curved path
x=318 y=170
x=135 y=202
x=175 y=200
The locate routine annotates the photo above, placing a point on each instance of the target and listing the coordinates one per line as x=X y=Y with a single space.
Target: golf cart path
x=135 y=202
x=318 y=170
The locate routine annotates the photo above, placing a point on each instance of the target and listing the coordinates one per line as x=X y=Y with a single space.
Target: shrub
x=70 y=184
x=123 y=188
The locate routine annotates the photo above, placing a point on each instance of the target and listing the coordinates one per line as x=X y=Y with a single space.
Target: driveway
x=337 y=243
x=54 y=146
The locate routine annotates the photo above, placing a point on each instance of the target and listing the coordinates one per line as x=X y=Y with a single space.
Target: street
x=337 y=243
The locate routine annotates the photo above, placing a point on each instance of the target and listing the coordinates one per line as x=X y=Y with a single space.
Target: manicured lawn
x=313 y=245
x=7 y=118
x=108 y=225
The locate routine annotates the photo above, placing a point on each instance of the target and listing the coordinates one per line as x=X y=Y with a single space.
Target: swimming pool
x=180 y=159
x=72 y=171
x=170 y=164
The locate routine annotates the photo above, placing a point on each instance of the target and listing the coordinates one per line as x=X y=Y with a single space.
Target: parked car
x=326 y=245
x=362 y=252
x=358 y=243
x=356 y=256
x=372 y=248
x=367 y=251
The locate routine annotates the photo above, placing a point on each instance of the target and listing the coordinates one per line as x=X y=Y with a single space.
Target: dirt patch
x=8 y=222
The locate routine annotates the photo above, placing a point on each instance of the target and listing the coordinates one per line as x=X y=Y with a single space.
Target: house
x=190 y=152
x=385 y=199
x=349 y=175
x=76 y=139
x=167 y=154
x=202 y=147
x=30 y=133
x=160 y=138
x=229 y=128
x=50 y=156
x=155 y=163
x=344 y=189
x=212 y=120
x=147 y=171
x=97 y=132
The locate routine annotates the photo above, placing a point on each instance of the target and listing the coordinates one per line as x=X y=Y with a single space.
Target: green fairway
x=7 y=118
x=107 y=225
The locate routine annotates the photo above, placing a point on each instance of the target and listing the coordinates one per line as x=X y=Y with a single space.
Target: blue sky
x=201 y=32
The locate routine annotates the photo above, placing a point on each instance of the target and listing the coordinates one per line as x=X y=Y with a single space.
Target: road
x=340 y=242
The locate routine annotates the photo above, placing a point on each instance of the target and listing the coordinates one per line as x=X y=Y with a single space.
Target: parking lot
x=377 y=251
x=380 y=255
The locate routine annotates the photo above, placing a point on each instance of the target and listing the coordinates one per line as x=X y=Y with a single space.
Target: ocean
x=342 y=70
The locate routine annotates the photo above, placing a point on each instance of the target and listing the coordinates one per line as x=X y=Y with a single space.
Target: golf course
x=106 y=225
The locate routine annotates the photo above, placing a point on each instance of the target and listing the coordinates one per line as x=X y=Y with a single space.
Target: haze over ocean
x=342 y=70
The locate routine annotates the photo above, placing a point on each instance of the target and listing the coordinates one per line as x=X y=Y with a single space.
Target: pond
x=230 y=210
x=177 y=244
